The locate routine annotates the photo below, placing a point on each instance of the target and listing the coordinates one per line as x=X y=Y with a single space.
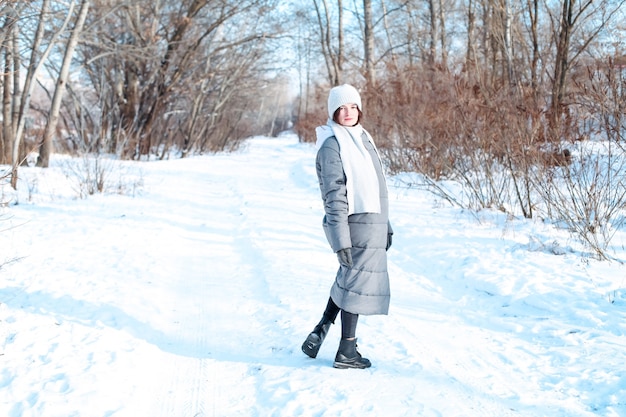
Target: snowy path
x=192 y=300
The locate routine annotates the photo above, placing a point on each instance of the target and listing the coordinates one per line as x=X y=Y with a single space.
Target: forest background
x=512 y=105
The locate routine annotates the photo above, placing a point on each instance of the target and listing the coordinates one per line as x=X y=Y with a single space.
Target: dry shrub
x=587 y=192
x=588 y=195
x=313 y=112
x=489 y=137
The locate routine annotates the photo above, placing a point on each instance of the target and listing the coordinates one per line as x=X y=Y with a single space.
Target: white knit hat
x=342 y=95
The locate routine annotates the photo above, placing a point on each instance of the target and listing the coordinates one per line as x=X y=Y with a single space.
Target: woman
x=356 y=224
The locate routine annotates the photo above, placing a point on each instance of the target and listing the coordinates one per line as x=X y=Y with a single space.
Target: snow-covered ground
x=191 y=295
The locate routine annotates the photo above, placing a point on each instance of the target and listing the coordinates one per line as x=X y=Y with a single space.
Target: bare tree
x=470 y=54
x=36 y=62
x=443 y=34
x=46 y=146
x=332 y=58
x=10 y=57
x=368 y=43
x=507 y=46
x=567 y=22
x=186 y=76
x=533 y=16
x=574 y=14
x=433 y=32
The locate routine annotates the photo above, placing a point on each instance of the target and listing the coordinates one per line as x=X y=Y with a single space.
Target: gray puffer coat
x=363 y=288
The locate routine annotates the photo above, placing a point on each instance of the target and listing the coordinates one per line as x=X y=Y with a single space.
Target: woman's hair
x=336 y=116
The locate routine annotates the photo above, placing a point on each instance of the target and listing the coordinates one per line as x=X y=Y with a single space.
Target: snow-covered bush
x=96 y=173
x=588 y=196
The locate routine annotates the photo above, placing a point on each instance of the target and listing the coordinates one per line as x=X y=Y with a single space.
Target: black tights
x=348 y=320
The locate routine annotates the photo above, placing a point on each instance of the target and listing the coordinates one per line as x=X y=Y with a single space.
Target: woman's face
x=348 y=115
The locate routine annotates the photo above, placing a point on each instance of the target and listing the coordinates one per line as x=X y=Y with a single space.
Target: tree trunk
x=508 y=42
x=368 y=39
x=7 y=102
x=533 y=10
x=433 y=33
x=561 y=62
x=471 y=18
x=442 y=35
x=339 y=69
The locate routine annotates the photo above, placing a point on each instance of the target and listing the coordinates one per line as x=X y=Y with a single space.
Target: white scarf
x=361 y=180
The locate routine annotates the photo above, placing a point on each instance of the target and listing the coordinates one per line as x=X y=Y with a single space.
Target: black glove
x=389 y=235
x=345 y=257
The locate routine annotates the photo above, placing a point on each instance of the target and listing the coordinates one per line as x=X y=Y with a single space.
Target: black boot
x=314 y=341
x=348 y=357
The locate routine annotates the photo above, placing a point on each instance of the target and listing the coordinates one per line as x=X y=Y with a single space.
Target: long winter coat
x=363 y=288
